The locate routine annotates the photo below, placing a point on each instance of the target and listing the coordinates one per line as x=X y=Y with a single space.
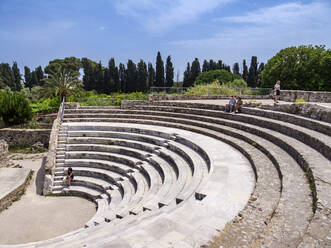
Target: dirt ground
x=35 y=217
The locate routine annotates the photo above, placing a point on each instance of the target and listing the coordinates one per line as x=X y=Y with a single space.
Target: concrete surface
x=10 y=179
x=35 y=217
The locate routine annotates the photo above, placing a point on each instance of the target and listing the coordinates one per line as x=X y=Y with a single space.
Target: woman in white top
x=277 y=91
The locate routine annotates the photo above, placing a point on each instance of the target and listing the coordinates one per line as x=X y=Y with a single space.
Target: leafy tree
x=252 y=73
x=131 y=76
x=205 y=66
x=299 y=68
x=60 y=83
x=17 y=86
x=169 y=73
x=151 y=75
x=14 y=108
x=69 y=64
x=235 y=68
x=222 y=76
x=195 y=71
x=159 y=73
x=245 y=71
x=142 y=76
x=187 y=76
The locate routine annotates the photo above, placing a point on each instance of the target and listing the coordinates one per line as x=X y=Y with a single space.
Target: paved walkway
x=35 y=217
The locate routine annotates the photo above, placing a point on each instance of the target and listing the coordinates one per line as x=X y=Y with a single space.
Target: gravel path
x=35 y=217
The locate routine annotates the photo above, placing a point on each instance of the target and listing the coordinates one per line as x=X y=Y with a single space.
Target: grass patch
x=25 y=150
x=300 y=100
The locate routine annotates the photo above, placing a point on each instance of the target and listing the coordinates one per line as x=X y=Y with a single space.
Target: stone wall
x=166 y=97
x=309 y=96
x=25 y=137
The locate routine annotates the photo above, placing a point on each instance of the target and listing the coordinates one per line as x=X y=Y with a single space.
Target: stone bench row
x=85 y=150
x=181 y=121
x=319 y=141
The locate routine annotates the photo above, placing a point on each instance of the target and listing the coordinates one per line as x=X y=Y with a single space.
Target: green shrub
x=300 y=100
x=14 y=108
x=45 y=106
x=222 y=76
x=213 y=88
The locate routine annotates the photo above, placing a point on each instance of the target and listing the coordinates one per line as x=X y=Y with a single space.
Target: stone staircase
x=173 y=174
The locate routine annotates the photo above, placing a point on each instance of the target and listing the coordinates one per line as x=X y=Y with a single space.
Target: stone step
x=129 y=161
x=305 y=221
x=81 y=191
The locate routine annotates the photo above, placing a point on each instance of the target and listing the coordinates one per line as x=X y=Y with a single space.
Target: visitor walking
x=277 y=91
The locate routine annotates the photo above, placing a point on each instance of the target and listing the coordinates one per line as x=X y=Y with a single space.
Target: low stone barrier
x=51 y=155
x=312 y=111
x=7 y=200
x=166 y=97
x=309 y=96
x=25 y=137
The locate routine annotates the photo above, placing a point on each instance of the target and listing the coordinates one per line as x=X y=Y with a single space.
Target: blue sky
x=32 y=32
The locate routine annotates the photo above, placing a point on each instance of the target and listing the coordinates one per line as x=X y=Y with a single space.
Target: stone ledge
x=15 y=189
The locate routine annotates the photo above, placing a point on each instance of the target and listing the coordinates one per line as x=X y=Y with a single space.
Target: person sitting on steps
x=239 y=103
x=231 y=105
x=70 y=176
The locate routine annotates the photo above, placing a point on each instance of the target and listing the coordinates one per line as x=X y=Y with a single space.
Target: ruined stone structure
x=173 y=174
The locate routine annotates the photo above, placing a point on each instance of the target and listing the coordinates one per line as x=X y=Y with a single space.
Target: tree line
x=303 y=67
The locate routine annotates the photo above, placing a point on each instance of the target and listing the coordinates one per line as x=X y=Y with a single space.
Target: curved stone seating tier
x=290 y=185
x=320 y=142
x=319 y=126
x=174 y=174
x=296 y=155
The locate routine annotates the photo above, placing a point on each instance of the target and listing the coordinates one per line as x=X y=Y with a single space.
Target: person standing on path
x=277 y=91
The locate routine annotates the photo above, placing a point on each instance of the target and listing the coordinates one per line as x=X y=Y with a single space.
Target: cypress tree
x=235 y=68
x=113 y=76
x=195 y=71
x=17 y=86
x=187 y=76
x=142 y=76
x=7 y=76
x=245 y=71
x=205 y=66
x=131 y=77
x=212 y=65
x=252 y=73
x=169 y=73
x=220 y=65
x=259 y=78
x=40 y=75
x=151 y=75
x=27 y=77
x=122 y=77
x=159 y=72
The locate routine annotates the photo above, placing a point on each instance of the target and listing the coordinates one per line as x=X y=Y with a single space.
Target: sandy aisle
x=35 y=217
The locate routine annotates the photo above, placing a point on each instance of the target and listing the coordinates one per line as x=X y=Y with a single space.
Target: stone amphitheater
x=180 y=174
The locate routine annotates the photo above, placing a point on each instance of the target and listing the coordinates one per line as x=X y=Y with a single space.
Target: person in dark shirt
x=239 y=103
x=70 y=176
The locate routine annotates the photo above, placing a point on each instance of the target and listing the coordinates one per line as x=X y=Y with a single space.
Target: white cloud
x=265 y=31
x=160 y=15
